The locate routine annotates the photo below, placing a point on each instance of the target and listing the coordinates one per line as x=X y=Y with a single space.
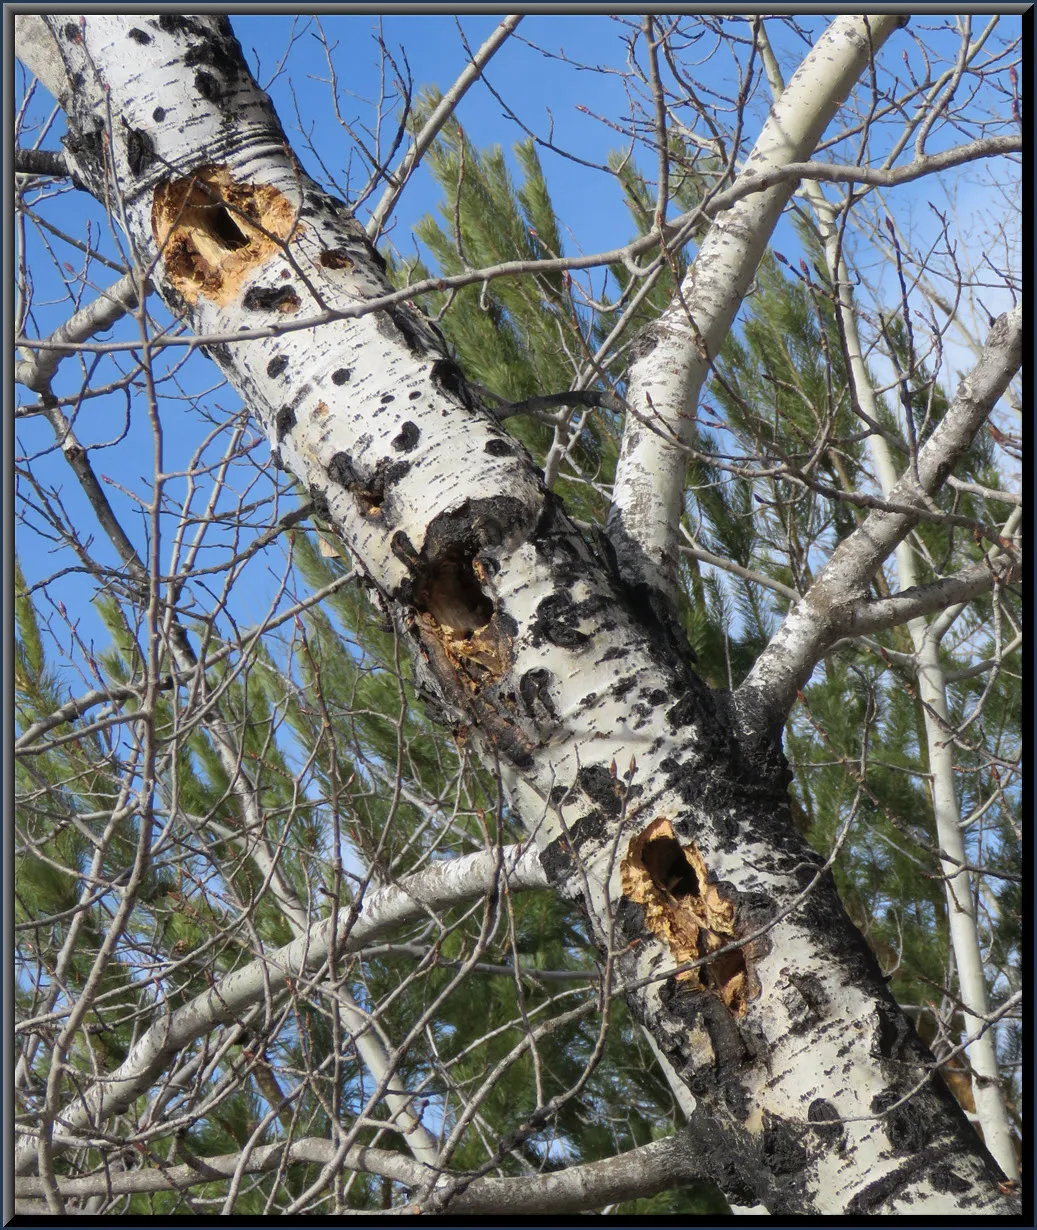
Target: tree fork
x=813 y=1090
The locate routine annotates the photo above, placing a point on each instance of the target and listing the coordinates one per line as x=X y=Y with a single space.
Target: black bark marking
x=808 y=1004
x=598 y=784
x=612 y=655
x=781 y=1150
x=386 y=398
x=630 y=920
x=87 y=145
x=386 y=473
x=402 y=547
x=476 y=526
x=694 y=1009
x=622 y=686
x=556 y=619
x=684 y=712
x=140 y=150
x=208 y=87
x=379 y=260
x=889 y=1185
x=321 y=507
x=944 y=1179
x=284 y=422
x=824 y=1118
x=824 y=914
x=451 y=379
x=534 y=688
x=409 y=326
x=558 y=859
x=414 y=395
x=219 y=351
x=907 y=1127
x=139 y=36
x=369 y=490
x=696 y=781
x=269 y=299
x=407 y=437
x=72 y=32
x=276 y=366
x=341 y=375
x=893 y=1035
x=158 y=115
x=498 y=448
x=342 y=471
x=214 y=53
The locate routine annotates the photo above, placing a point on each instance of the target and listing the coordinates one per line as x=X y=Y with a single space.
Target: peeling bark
x=795 y=1051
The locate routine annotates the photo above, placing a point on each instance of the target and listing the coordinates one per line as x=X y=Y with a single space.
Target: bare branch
x=438 y=887
x=435 y=122
x=787 y=662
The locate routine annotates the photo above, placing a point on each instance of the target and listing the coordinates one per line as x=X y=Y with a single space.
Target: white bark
x=525 y=639
x=665 y=381
x=932 y=690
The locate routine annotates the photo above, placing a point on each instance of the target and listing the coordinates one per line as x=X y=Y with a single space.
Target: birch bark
x=675 y=354
x=813 y=1093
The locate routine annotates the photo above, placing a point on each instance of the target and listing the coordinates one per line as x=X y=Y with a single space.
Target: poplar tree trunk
x=652 y=809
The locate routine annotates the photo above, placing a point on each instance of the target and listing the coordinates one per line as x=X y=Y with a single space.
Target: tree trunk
x=813 y=1092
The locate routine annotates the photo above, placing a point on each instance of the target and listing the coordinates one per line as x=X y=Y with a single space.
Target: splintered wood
x=213 y=231
x=684 y=910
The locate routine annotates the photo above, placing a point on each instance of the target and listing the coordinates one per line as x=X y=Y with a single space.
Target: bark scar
x=671 y=882
x=454 y=609
x=214 y=232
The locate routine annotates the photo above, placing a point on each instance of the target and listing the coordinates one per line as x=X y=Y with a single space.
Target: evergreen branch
x=786 y=663
x=535 y=406
x=75 y=708
x=447 y=106
x=729 y=565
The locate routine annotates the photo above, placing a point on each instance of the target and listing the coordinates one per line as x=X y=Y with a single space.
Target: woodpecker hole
x=670 y=881
x=213 y=231
x=458 y=620
x=451 y=594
